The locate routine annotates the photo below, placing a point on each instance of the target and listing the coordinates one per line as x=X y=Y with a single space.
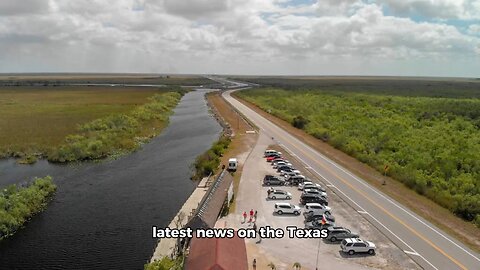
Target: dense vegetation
x=19 y=204
x=208 y=162
x=414 y=87
x=432 y=145
x=35 y=120
x=117 y=133
x=165 y=264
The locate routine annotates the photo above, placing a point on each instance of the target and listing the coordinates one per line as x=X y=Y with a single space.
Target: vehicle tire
x=371 y=251
x=296 y=213
x=280 y=212
x=268 y=184
x=288 y=197
x=351 y=252
x=273 y=197
x=334 y=239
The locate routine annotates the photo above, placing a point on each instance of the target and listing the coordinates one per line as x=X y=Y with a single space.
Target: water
x=102 y=214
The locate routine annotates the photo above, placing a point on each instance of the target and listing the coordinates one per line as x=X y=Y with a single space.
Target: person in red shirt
x=251 y=215
x=244 y=216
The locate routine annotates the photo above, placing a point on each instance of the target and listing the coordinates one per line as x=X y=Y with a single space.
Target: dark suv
x=313 y=198
x=273 y=181
x=285 y=168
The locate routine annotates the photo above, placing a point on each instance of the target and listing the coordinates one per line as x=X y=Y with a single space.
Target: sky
x=249 y=37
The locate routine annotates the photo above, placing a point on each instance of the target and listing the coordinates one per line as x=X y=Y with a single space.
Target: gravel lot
x=285 y=251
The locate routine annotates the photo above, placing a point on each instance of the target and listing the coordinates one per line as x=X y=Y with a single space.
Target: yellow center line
x=379 y=206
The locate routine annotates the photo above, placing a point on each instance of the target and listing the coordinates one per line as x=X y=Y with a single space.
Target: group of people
x=253 y=216
x=252 y=220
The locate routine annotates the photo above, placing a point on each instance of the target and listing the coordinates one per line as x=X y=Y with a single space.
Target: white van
x=232 y=164
x=269 y=152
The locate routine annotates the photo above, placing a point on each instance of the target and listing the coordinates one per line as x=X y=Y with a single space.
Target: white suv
x=316 y=209
x=287 y=208
x=357 y=245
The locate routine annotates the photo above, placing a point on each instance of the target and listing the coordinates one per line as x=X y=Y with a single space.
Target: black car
x=273 y=181
x=285 y=168
x=328 y=217
x=313 y=198
x=274 y=154
x=268 y=176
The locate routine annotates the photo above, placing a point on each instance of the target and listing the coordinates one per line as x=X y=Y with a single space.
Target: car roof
x=313 y=204
x=335 y=228
x=283 y=203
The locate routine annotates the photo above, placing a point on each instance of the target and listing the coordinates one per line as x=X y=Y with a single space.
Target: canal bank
x=101 y=217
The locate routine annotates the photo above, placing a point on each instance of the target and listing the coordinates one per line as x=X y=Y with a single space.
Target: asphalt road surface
x=430 y=247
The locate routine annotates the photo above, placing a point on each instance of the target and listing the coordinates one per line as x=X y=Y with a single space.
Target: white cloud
x=240 y=36
x=437 y=9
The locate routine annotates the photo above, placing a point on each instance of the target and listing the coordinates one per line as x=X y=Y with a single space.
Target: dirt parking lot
x=310 y=253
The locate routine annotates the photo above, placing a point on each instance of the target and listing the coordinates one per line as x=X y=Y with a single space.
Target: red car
x=270 y=159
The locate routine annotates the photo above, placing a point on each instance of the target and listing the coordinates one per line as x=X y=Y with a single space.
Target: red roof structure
x=217 y=254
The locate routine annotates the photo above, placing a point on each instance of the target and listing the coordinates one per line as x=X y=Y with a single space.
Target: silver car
x=357 y=245
x=287 y=208
x=280 y=195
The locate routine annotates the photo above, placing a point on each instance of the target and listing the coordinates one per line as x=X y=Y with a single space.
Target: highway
x=427 y=245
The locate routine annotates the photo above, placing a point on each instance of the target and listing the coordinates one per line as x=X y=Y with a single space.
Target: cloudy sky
x=299 y=37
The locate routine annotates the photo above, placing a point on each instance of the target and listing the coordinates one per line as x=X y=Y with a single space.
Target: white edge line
x=411 y=253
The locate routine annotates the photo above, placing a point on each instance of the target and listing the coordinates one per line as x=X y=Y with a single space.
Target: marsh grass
x=35 y=121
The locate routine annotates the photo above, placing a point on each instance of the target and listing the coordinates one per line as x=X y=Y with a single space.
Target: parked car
x=339 y=233
x=295 y=180
x=280 y=195
x=318 y=224
x=274 y=181
x=312 y=198
x=268 y=176
x=357 y=245
x=271 y=158
x=325 y=216
x=273 y=153
x=287 y=208
x=285 y=168
x=232 y=164
x=315 y=191
x=268 y=152
x=277 y=159
x=281 y=164
x=316 y=209
x=292 y=173
x=310 y=185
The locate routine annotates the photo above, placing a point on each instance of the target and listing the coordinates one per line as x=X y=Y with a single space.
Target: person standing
x=255 y=216
x=244 y=216
x=251 y=215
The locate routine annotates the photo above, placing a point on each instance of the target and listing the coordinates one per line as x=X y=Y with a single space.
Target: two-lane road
x=423 y=242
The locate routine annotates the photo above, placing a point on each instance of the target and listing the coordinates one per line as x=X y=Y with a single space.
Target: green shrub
x=19 y=204
x=208 y=162
x=165 y=264
x=299 y=122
